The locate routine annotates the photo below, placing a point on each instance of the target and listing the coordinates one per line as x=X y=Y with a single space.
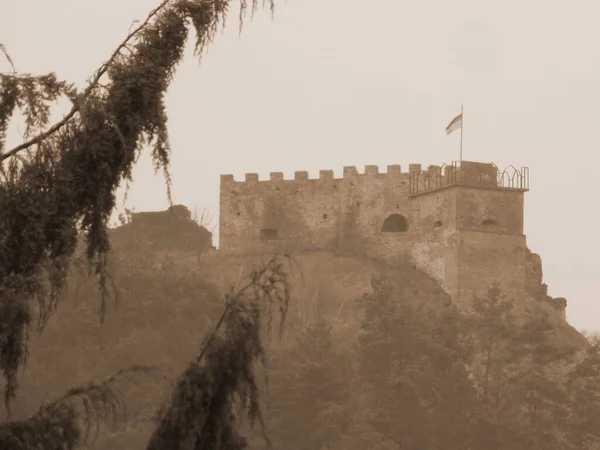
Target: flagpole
x=462 y=125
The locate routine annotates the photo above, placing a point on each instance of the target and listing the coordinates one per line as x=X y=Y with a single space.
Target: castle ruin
x=461 y=223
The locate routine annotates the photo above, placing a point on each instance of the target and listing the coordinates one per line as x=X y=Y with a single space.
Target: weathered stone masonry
x=461 y=224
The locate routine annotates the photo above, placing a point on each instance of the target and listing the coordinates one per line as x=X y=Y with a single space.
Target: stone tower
x=462 y=224
x=469 y=224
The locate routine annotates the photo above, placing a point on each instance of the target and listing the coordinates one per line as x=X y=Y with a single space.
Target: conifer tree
x=583 y=388
x=308 y=391
x=58 y=187
x=413 y=359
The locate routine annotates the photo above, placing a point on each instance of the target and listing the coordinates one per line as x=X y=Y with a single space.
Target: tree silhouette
x=58 y=188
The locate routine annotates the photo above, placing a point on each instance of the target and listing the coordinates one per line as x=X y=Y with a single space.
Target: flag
x=455 y=124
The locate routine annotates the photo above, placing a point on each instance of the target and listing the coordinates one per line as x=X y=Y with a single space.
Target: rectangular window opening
x=268 y=234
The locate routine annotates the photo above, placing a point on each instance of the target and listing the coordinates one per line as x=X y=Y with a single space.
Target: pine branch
x=67 y=421
x=201 y=412
x=76 y=106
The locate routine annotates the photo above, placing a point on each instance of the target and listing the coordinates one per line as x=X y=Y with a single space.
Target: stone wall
x=492 y=209
x=304 y=213
x=434 y=236
x=170 y=230
x=486 y=257
x=467 y=237
x=342 y=214
x=464 y=230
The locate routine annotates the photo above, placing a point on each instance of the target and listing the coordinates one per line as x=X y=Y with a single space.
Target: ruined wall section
x=538 y=290
x=172 y=230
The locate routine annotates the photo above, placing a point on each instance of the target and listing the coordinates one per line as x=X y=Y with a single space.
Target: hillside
x=171 y=284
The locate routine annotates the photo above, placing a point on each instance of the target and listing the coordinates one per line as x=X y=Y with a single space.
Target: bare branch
x=10 y=61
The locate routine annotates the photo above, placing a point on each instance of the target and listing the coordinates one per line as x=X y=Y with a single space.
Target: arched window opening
x=395 y=223
x=489 y=222
x=268 y=234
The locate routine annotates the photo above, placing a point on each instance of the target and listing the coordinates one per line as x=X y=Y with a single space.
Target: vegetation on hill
x=397 y=366
x=164 y=316
x=421 y=375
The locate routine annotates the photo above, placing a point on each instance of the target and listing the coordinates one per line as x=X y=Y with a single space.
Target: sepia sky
x=328 y=83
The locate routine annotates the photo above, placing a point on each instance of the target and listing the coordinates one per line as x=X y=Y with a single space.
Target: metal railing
x=468 y=174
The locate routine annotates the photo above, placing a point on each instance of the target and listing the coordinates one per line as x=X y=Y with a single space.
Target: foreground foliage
x=221 y=384
x=69 y=420
x=59 y=186
x=213 y=393
x=62 y=182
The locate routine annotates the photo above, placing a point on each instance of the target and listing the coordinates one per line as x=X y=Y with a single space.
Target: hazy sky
x=330 y=83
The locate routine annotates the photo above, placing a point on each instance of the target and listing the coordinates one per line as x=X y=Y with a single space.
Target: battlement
x=348 y=172
x=433 y=177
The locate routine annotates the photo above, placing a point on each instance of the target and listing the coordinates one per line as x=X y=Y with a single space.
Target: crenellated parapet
x=419 y=180
x=325 y=175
